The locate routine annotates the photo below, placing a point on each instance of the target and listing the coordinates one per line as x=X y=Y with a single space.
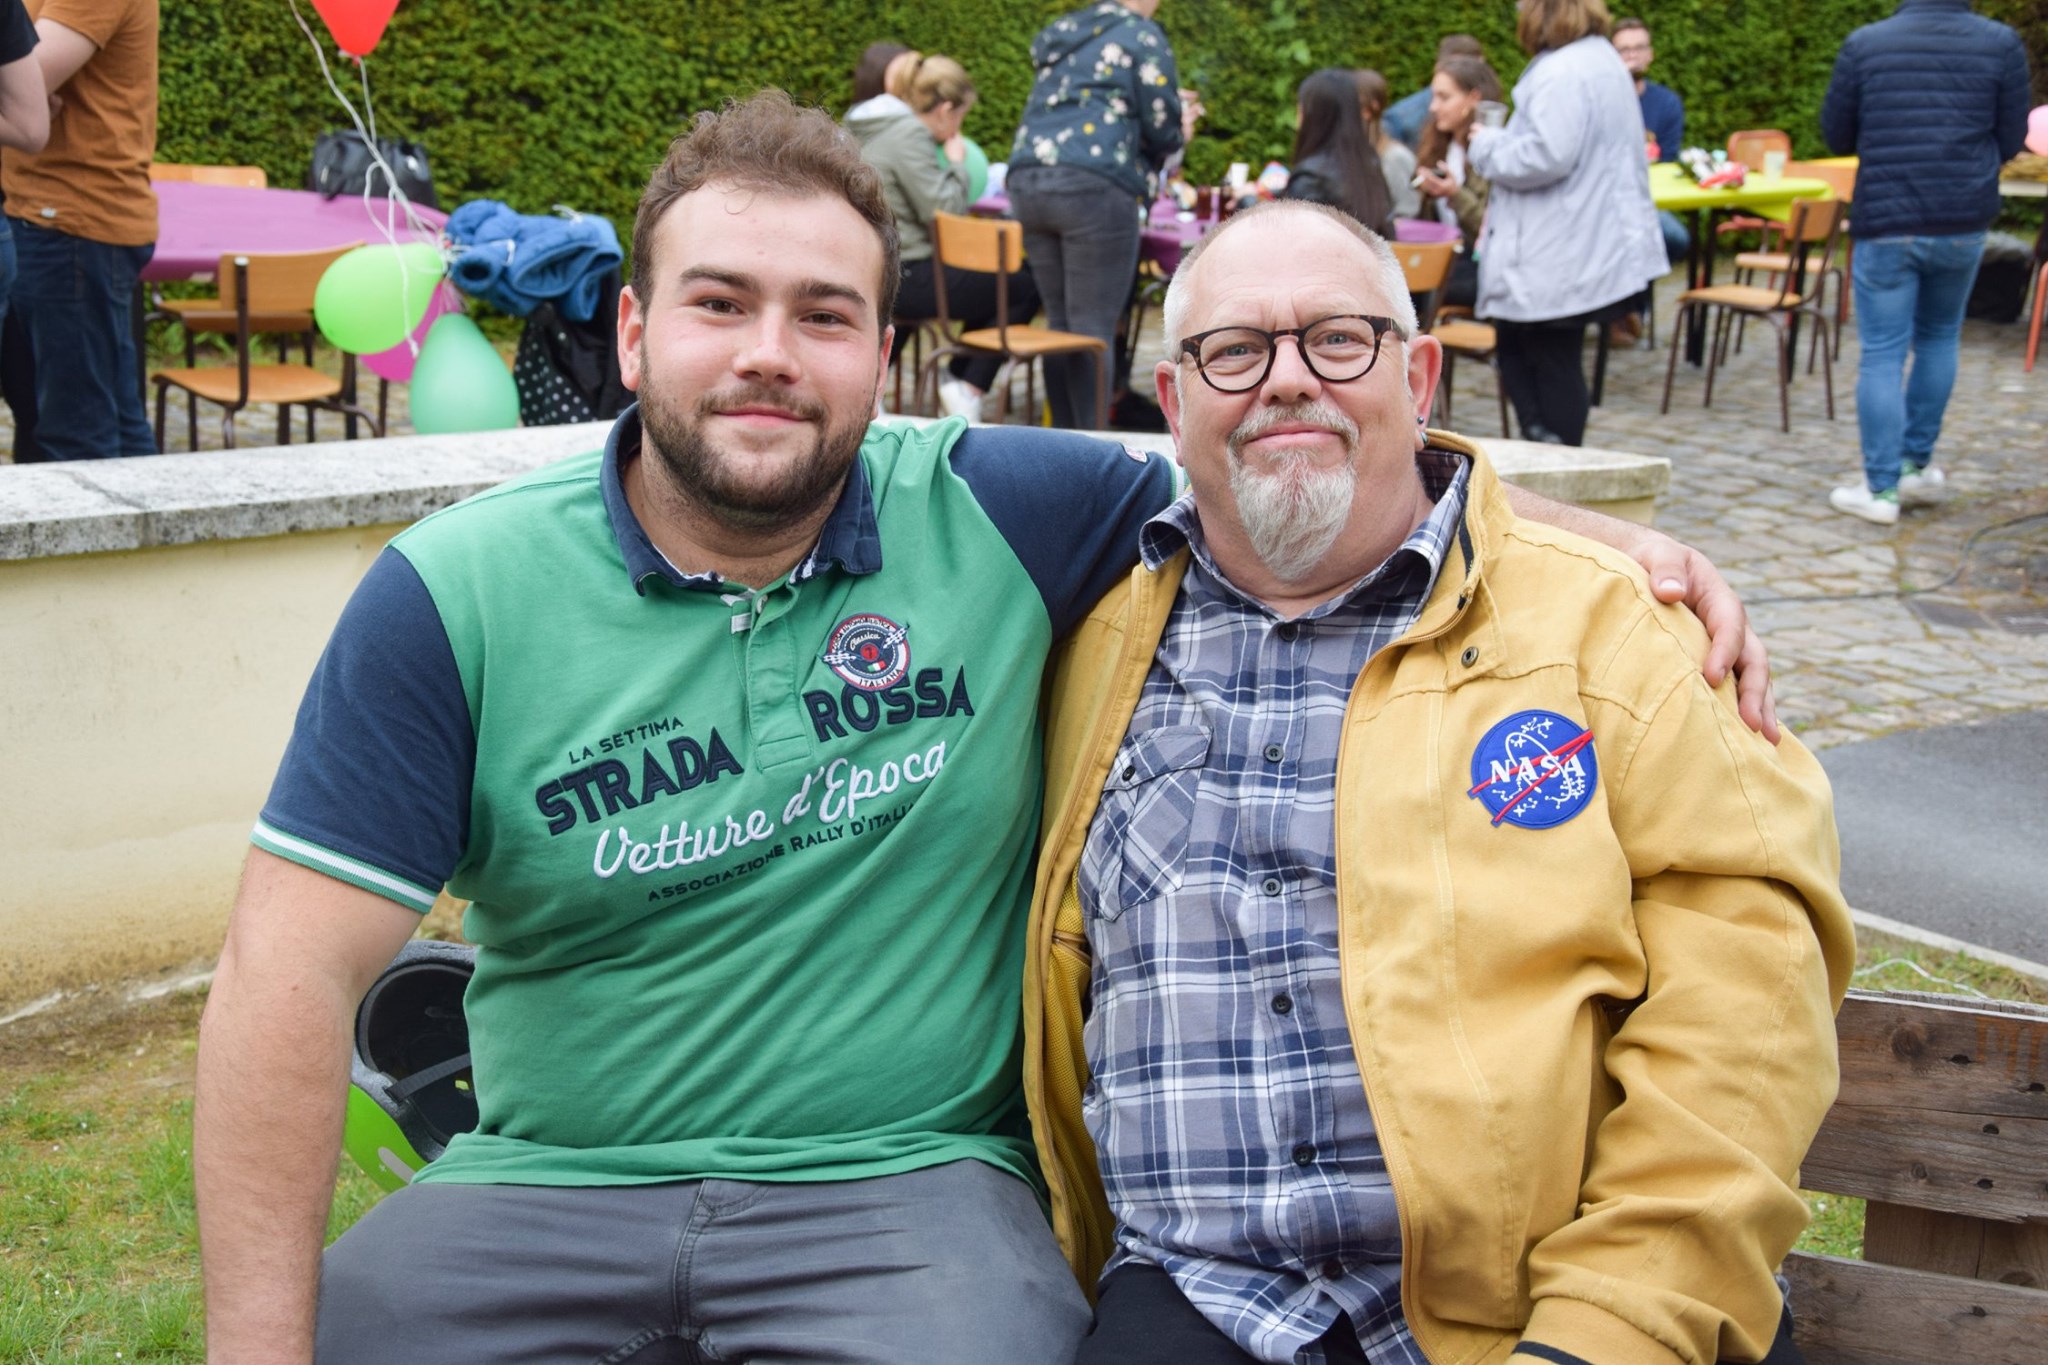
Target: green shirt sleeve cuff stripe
x=406 y=893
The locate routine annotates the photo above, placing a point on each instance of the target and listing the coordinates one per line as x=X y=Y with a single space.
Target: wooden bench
x=1942 y=1126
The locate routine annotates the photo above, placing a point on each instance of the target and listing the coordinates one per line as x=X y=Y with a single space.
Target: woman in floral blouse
x=1103 y=118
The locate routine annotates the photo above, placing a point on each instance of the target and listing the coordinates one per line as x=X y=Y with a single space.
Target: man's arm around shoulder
x=274 y=1047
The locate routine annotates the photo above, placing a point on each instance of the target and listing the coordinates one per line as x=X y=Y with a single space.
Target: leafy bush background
x=543 y=102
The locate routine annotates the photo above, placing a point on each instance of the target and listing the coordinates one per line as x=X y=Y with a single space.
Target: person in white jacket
x=1571 y=236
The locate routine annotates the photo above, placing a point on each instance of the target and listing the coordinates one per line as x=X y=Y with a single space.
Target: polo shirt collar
x=850 y=540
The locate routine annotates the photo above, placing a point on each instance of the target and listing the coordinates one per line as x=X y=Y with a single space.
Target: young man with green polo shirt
x=729 y=735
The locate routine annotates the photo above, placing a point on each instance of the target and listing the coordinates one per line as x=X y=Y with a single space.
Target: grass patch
x=99 y=1249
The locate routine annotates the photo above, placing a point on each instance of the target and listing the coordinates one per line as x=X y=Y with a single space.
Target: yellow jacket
x=1596 y=1052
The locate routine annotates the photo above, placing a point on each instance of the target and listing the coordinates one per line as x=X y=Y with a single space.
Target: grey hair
x=1393 y=280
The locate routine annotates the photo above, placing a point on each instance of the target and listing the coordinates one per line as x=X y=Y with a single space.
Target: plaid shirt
x=1237 y=1146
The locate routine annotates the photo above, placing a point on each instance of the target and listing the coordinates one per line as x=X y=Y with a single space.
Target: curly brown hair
x=771 y=144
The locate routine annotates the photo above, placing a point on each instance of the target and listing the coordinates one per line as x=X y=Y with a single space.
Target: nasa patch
x=868 y=651
x=1535 y=769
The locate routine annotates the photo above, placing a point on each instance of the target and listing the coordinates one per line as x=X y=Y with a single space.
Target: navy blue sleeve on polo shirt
x=17 y=34
x=1069 y=505
x=383 y=718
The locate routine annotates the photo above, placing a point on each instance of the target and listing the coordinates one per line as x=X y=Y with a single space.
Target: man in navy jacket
x=1933 y=100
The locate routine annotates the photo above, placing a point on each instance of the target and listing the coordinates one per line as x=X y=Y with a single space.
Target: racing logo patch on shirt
x=1535 y=769
x=868 y=651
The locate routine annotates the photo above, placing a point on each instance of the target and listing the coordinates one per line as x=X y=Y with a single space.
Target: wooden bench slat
x=1954 y=1244
x=1983 y=1057
x=1855 y=1313
x=1990 y=1167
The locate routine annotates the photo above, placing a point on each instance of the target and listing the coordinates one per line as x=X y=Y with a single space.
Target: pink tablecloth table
x=198 y=224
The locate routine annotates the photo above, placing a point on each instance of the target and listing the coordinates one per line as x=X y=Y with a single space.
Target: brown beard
x=698 y=471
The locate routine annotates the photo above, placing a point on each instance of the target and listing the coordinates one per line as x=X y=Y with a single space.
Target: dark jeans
x=1142 y=1318
x=1081 y=235
x=75 y=299
x=971 y=302
x=1542 y=369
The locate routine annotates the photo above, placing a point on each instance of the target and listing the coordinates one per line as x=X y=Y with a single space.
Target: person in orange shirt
x=83 y=219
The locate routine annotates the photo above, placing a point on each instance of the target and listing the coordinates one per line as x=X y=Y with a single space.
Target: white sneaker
x=960 y=399
x=1920 y=485
x=1859 y=501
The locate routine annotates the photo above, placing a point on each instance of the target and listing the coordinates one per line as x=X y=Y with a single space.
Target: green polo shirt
x=748 y=872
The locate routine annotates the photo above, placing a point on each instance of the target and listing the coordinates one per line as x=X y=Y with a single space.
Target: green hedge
x=543 y=102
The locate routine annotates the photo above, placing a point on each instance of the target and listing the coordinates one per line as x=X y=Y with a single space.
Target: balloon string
x=396 y=201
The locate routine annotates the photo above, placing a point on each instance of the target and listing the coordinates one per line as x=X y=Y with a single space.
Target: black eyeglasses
x=1336 y=350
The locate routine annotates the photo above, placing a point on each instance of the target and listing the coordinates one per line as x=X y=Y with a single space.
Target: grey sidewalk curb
x=1928 y=938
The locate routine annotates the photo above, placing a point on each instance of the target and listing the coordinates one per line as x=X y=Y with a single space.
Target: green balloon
x=460 y=382
x=976 y=164
x=371 y=299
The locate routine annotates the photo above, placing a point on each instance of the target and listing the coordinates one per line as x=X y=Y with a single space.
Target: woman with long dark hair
x=1333 y=162
x=1453 y=192
x=1571 y=237
x=1397 y=159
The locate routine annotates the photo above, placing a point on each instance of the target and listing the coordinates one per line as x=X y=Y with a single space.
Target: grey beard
x=1294 y=514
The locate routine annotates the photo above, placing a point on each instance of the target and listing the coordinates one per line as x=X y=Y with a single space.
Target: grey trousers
x=946 y=1266
x=1081 y=234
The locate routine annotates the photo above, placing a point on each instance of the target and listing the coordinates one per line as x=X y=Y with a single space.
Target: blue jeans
x=1677 y=238
x=1910 y=291
x=76 y=299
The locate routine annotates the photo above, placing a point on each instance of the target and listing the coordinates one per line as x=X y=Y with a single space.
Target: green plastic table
x=1672 y=189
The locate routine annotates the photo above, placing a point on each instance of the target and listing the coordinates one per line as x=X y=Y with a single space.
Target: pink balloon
x=2037 y=131
x=396 y=364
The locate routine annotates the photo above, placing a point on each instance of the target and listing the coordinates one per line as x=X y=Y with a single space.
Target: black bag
x=2003 y=273
x=569 y=371
x=342 y=165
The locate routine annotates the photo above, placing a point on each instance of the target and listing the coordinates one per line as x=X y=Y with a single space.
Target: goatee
x=712 y=478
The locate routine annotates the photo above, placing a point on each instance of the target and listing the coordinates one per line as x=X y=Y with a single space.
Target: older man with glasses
x=1426 y=962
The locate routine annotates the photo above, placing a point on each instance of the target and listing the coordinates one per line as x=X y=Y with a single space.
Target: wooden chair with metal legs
x=1748 y=264
x=260 y=286
x=1425 y=266
x=1816 y=223
x=218 y=317
x=997 y=245
x=1750 y=147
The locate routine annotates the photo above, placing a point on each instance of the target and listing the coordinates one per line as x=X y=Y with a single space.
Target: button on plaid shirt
x=1237 y=1146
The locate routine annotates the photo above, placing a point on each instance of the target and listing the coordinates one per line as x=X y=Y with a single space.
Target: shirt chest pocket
x=1138 y=844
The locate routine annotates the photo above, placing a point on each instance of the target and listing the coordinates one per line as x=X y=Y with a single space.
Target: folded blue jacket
x=515 y=261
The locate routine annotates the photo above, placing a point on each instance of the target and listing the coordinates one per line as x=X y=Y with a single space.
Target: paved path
x=1947 y=828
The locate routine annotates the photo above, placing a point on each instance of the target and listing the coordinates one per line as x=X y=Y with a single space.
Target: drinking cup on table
x=1774 y=164
x=1492 y=114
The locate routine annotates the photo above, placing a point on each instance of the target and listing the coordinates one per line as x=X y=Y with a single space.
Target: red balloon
x=357 y=25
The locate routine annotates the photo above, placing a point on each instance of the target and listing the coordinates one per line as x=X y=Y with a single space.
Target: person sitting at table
x=1453 y=192
x=922 y=159
x=1333 y=164
x=871 y=72
x=1408 y=117
x=1397 y=158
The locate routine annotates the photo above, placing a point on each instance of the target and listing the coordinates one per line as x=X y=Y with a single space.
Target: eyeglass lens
x=1336 y=349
